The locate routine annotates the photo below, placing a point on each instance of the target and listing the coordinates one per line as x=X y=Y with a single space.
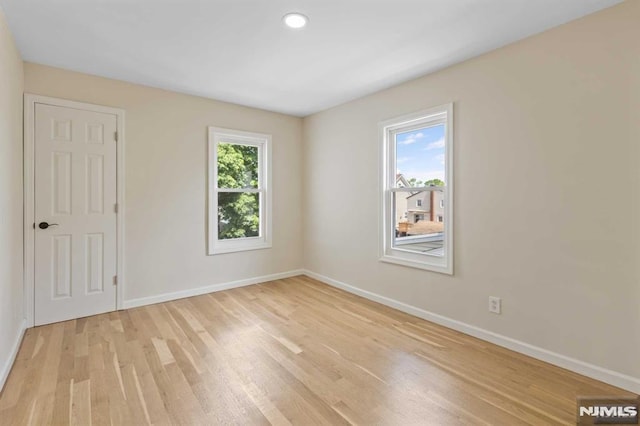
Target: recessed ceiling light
x=295 y=20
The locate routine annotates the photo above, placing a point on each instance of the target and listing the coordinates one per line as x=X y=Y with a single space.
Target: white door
x=75 y=216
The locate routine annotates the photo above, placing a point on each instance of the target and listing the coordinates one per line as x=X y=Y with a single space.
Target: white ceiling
x=239 y=51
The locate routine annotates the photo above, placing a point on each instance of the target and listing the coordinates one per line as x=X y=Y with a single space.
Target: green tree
x=238 y=212
x=414 y=182
x=434 y=182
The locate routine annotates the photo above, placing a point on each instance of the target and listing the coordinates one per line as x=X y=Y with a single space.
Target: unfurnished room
x=357 y=212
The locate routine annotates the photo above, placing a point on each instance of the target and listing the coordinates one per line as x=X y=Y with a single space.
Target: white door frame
x=30 y=102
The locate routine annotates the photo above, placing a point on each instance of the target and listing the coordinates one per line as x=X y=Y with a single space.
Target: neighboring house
x=401 y=201
x=425 y=205
x=422 y=210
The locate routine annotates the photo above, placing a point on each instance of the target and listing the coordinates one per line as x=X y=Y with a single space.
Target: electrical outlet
x=495 y=305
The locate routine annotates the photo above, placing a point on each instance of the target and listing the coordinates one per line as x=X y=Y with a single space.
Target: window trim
x=239 y=137
x=387 y=128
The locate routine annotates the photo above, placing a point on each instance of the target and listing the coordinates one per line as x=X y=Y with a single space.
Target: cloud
x=411 y=138
x=440 y=158
x=436 y=144
x=402 y=160
x=408 y=141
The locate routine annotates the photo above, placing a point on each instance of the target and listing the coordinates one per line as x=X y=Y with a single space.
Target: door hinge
x=115 y=136
x=115 y=208
x=115 y=280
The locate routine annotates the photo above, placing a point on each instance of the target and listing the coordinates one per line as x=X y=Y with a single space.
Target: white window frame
x=237 y=137
x=418 y=203
x=388 y=129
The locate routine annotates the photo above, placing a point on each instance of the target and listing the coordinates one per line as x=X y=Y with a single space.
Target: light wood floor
x=293 y=351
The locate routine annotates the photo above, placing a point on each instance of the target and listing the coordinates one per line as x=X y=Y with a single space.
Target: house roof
x=418 y=192
x=400 y=177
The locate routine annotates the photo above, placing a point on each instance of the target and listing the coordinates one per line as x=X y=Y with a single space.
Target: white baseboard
x=166 y=297
x=6 y=368
x=611 y=377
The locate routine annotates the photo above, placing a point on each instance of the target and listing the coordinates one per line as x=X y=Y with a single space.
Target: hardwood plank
x=292 y=351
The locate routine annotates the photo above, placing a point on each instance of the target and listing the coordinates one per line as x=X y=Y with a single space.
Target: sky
x=420 y=153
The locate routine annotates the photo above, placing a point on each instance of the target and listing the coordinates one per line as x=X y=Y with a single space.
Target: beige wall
x=11 y=304
x=166 y=145
x=540 y=126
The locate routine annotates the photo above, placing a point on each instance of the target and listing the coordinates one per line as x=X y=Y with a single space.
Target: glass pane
x=237 y=166
x=419 y=221
x=420 y=157
x=238 y=215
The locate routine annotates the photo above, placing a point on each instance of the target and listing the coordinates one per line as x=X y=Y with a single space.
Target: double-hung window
x=239 y=182
x=418 y=149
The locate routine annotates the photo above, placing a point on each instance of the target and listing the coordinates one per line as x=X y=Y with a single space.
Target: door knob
x=45 y=225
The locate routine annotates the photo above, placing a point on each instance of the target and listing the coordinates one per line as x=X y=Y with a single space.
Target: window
x=418 y=147
x=418 y=203
x=239 y=205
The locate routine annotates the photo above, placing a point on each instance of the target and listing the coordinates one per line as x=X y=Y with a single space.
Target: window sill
x=427 y=266
x=223 y=250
